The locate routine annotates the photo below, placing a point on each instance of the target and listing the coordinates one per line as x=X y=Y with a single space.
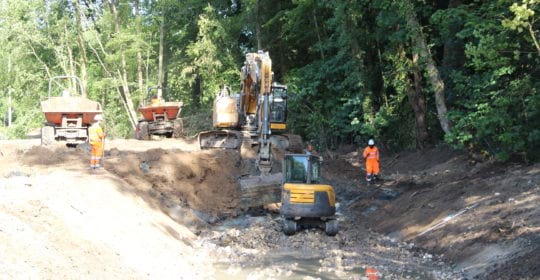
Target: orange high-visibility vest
x=371 y=153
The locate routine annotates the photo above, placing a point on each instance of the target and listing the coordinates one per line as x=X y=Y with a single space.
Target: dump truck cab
x=304 y=199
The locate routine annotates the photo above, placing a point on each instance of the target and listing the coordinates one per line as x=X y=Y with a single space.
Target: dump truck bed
x=169 y=109
x=55 y=107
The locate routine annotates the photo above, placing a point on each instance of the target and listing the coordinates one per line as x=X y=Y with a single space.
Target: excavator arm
x=255 y=103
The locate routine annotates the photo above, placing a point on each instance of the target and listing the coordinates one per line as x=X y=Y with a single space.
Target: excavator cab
x=305 y=201
x=278 y=107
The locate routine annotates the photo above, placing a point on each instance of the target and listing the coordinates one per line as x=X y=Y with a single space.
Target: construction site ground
x=165 y=210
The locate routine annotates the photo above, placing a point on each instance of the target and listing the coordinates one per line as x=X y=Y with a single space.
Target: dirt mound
x=56 y=155
x=205 y=181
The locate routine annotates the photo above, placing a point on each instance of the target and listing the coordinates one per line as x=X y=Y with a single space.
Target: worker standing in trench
x=97 y=137
x=371 y=156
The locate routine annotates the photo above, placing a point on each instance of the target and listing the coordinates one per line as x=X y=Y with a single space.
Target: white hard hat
x=371 y=142
x=98 y=117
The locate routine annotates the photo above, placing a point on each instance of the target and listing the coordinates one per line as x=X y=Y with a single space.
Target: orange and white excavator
x=256 y=116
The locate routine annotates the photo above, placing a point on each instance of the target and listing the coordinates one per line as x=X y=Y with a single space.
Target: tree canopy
x=409 y=73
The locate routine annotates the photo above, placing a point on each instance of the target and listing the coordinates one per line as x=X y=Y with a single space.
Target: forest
x=411 y=74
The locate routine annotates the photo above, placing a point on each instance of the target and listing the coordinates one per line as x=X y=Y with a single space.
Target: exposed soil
x=205 y=181
x=165 y=210
x=483 y=217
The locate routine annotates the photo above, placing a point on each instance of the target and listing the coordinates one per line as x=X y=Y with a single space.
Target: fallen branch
x=446 y=220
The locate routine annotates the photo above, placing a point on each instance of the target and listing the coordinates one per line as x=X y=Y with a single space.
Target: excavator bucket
x=225 y=139
x=289 y=142
x=260 y=190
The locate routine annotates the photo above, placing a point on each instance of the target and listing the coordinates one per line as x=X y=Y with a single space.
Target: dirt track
x=163 y=210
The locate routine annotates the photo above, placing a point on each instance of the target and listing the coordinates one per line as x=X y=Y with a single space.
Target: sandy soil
x=164 y=210
x=60 y=221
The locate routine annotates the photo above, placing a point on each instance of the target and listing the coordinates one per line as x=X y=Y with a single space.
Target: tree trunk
x=140 y=78
x=315 y=22
x=196 y=91
x=71 y=63
x=160 y=59
x=122 y=73
x=418 y=104
x=533 y=36
x=9 y=91
x=420 y=48
x=10 y=109
x=258 y=25
x=110 y=75
x=80 y=42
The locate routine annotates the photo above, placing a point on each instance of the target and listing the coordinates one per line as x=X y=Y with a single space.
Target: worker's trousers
x=97 y=154
x=372 y=168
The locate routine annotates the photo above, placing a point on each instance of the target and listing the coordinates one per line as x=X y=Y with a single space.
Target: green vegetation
x=410 y=73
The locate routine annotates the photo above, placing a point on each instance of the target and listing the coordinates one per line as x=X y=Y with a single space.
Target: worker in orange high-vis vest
x=371 y=156
x=97 y=137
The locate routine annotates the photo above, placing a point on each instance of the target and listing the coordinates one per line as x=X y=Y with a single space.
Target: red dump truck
x=160 y=118
x=69 y=114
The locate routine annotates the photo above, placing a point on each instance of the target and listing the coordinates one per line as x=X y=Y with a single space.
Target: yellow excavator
x=256 y=116
x=305 y=201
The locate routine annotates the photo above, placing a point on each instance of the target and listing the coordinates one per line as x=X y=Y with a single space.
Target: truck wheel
x=47 y=135
x=331 y=227
x=142 y=131
x=178 y=130
x=289 y=226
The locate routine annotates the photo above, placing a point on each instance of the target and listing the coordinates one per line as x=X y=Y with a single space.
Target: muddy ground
x=165 y=210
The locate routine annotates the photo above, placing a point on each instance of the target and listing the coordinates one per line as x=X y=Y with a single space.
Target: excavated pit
x=197 y=189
